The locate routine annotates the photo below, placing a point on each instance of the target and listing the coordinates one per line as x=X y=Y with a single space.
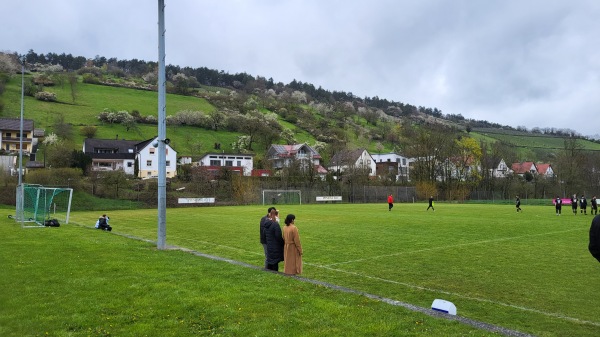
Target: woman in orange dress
x=292 y=250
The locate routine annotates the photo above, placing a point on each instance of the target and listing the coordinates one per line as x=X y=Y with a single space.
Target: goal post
x=35 y=204
x=282 y=197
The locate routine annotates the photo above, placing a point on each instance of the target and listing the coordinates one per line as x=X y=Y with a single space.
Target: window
x=229 y=163
x=168 y=163
x=152 y=150
x=239 y=163
x=129 y=164
x=215 y=163
x=148 y=162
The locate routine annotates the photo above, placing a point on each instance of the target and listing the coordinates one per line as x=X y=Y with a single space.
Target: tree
x=72 y=77
x=62 y=129
x=569 y=164
x=88 y=131
x=116 y=180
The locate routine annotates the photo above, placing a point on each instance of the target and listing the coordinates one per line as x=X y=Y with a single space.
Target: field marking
x=481 y=325
x=446 y=247
x=408 y=285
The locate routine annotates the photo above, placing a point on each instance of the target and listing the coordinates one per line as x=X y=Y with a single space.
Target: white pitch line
x=408 y=285
x=446 y=247
x=218 y=245
x=555 y=315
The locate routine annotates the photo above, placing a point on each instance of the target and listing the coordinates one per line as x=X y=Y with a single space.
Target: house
x=545 y=170
x=392 y=164
x=242 y=163
x=111 y=154
x=460 y=168
x=501 y=170
x=115 y=154
x=521 y=168
x=185 y=160
x=282 y=156
x=261 y=173
x=147 y=159
x=10 y=135
x=353 y=161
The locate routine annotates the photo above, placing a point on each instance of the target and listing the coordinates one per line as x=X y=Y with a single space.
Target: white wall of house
x=148 y=161
x=502 y=171
x=402 y=162
x=229 y=160
x=363 y=161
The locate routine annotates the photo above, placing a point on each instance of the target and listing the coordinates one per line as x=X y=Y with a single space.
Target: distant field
x=528 y=271
x=531 y=141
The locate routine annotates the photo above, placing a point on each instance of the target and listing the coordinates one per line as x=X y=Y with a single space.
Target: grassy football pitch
x=530 y=272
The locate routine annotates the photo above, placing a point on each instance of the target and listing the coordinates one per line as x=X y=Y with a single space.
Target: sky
x=533 y=63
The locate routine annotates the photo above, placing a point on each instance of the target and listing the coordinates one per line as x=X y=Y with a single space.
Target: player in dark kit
x=518 y=204
x=583 y=204
x=431 y=204
x=558 y=205
x=594 y=210
x=574 y=203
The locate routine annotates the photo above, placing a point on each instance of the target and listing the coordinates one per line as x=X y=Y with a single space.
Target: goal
x=282 y=197
x=36 y=204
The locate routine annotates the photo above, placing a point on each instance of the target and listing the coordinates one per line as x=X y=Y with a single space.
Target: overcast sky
x=532 y=63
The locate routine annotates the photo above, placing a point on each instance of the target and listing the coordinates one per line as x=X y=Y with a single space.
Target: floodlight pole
x=162 y=130
x=21 y=123
x=21 y=198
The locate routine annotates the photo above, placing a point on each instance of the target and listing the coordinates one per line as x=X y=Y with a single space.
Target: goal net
x=36 y=204
x=282 y=197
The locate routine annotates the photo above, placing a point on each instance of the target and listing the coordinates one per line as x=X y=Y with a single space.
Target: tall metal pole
x=21 y=123
x=20 y=196
x=162 y=130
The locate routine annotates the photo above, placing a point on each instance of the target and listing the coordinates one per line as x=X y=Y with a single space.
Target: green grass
x=529 y=272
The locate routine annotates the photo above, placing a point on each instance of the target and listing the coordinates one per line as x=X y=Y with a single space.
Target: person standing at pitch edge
x=275 y=241
x=583 y=204
x=558 y=205
x=594 y=246
x=518 y=204
x=430 y=204
x=594 y=210
x=574 y=203
x=263 y=235
x=390 y=202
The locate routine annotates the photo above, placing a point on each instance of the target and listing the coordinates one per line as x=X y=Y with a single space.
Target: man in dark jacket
x=263 y=235
x=594 y=245
x=274 y=242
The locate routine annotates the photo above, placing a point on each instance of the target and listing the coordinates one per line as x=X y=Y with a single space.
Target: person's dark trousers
x=265 y=249
x=274 y=266
x=391 y=205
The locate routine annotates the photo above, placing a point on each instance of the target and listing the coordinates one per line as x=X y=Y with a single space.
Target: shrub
x=45 y=96
x=88 y=131
x=91 y=79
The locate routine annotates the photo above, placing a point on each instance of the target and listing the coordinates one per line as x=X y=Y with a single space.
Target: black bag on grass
x=52 y=223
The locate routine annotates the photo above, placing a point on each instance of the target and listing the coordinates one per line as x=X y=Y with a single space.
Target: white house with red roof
x=522 y=168
x=545 y=170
